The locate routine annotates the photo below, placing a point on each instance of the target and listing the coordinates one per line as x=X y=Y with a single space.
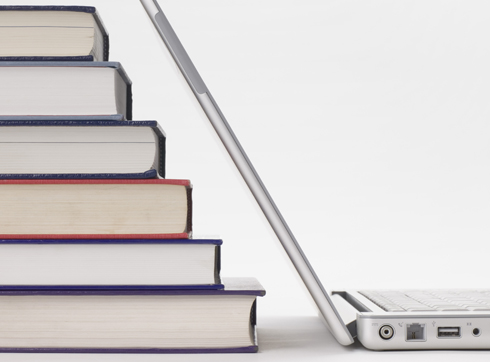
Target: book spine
x=105 y=241
x=189 y=210
x=129 y=102
x=105 y=36
x=162 y=144
x=247 y=349
x=81 y=58
x=81 y=176
x=185 y=183
x=53 y=118
x=106 y=47
x=114 y=288
x=70 y=121
x=217 y=266
x=83 y=9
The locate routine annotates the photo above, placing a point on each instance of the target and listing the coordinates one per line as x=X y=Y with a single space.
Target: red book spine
x=95 y=236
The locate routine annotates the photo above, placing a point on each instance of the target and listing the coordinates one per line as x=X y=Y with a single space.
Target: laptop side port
x=448 y=332
x=416 y=332
x=386 y=332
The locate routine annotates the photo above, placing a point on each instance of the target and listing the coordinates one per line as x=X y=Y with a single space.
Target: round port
x=476 y=332
x=386 y=332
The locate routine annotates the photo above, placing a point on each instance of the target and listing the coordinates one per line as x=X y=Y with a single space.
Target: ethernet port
x=416 y=332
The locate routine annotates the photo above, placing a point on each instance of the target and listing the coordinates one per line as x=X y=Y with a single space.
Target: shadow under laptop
x=295 y=335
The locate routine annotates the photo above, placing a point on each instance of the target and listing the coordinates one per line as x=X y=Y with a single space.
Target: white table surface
x=368 y=123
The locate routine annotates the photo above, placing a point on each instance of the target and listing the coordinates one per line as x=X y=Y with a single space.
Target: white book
x=98 y=89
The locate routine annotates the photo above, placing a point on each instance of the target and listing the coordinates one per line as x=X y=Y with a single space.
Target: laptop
x=381 y=320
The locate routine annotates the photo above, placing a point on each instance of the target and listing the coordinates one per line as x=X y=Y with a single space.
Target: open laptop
x=381 y=320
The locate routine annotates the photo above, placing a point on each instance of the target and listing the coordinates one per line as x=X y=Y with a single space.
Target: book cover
x=86 y=9
x=96 y=209
x=128 y=114
x=110 y=264
x=158 y=168
x=237 y=298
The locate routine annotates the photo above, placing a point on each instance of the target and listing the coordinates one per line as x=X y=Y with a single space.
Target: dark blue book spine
x=84 y=9
x=114 y=117
x=114 y=288
x=248 y=349
x=82 y=58
x=133 y=291
x=81 y=176
x=75 y=121
x=216 y=242
x=162 y=145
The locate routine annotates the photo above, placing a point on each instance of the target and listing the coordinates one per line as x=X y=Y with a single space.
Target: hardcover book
x=131 y=321
x=95 y=209
x=52 y=33
x=110 y=264
x=55 y=90
x=58 y=149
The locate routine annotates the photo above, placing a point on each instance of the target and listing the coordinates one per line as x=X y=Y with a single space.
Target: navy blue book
x=52 y=33
x=98 y=90
x=131 y=321
x=83 y=149
x=109 y=264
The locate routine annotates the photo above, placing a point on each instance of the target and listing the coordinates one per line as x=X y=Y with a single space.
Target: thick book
x=131 y=321
x=57 y=90
x=52 y=33
x=95 y=209
x=84 y=149
x=114 y=264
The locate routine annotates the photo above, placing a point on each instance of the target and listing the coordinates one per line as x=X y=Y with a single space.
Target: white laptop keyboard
x=430 y=301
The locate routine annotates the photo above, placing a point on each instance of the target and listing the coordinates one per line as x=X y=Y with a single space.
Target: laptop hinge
x=347 y=312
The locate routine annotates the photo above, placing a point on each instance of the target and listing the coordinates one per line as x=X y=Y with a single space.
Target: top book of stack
x=59 y=33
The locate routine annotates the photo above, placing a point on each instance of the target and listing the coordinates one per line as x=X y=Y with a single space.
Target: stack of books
x=96 y=253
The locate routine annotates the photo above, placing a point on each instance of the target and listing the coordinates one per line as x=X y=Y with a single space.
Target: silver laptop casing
x=370 y=319
x=347 y=314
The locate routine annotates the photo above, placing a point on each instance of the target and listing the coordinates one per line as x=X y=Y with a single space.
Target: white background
x=368 y=121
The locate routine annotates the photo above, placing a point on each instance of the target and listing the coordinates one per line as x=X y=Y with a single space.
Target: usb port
x=448 y=332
